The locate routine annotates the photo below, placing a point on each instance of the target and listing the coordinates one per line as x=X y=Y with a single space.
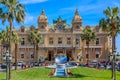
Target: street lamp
x=114 y=57
x=113 y=67
x=7 y=56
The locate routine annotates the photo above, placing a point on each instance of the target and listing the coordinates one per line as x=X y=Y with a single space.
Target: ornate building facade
x=62 y=38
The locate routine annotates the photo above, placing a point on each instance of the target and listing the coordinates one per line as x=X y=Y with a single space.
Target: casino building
x=62 y=38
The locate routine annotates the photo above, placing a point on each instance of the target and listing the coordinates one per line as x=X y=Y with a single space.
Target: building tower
x=42 y=21
x=77 y=21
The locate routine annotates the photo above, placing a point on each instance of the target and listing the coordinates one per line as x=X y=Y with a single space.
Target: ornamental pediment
x=59 y=25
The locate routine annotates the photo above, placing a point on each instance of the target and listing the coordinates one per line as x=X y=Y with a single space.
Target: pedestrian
x=22 y=66
x=118 y=65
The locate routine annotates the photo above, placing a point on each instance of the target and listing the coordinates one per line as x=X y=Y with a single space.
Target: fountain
x=61 y=66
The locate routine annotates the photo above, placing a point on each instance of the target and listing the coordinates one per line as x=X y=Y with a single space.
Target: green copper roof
x=59 y=19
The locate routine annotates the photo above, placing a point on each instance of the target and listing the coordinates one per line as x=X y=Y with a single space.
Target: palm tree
x=35 y=38
x=11 y=10
x=14 y=12
x=111 y=25
x=4 y=38
x=15 y=40
x=88 y=35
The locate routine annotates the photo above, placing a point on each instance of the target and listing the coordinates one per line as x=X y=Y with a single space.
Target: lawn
x=79 y=74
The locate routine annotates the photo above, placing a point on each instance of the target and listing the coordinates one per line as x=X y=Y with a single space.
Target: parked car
x=3 y=66
x=82 y=65
x=14 y=64
x=0 y=64
x=102 y=64
x=41 y=63
x=109 y=65
x=118 y=66
x=72 y=63
x=93 y=64
x=36 y=64
x=20 y=63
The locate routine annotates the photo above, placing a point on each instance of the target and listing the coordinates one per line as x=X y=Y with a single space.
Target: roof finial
x=42 y=13
x=76 y=12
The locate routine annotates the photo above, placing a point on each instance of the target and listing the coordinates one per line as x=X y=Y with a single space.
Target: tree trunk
x=10 y=44
x=37 y=52
x=16 y=56
x=88 y=52
x=2 y=50
x=113 y=60
x=34 y=52
x=113 y=48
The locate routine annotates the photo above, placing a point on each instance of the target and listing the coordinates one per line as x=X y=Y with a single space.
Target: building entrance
x=50 y=55
x=69 y=55
x=59 y=51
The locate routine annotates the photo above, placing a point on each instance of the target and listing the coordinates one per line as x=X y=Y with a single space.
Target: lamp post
x=114 y=55
x=113 y=67
x=7 y=57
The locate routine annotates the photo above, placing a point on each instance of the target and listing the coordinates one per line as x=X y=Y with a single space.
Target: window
x=59 y=40
x=110 y=42
x=97 y=41
x=77 y=41
x=87 y=42
x=50 y=40
x=42 y=40
x=68 y=40
x=22 y=41
x=32 y=55
x=22 y=54
x=87 y=55
x=97 y=53
x=60 y=27
x=22 y=30
x=77 y=27
x=42 y=27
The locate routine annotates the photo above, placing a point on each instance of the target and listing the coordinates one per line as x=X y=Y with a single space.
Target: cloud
x=30 y=19
x=87 y=9
x=116 y=4
x=32 y=1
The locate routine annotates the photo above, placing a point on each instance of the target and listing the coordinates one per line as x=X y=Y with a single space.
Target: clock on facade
x=60 y=27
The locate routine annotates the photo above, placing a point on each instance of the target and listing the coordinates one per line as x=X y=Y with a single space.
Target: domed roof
x=77 y=17
x=42 y=17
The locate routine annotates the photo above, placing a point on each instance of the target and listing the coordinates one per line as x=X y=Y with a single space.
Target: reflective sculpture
x=60 y=67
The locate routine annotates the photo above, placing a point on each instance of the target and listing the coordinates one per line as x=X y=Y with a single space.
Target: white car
x=20 y=63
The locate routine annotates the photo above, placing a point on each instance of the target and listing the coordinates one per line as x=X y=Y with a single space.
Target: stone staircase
x=60 y=72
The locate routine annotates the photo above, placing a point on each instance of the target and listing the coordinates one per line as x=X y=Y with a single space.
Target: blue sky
x=91 y=11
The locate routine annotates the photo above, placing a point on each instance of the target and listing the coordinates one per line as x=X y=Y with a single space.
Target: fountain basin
x=60 y=67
